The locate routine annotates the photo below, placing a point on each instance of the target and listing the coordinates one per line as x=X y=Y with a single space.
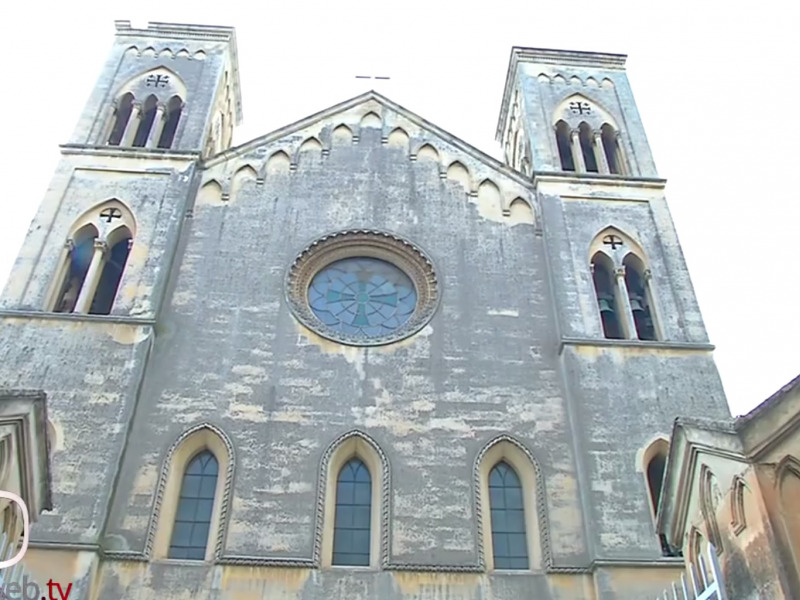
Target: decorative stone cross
x=580 y=108
x=613 y=241
x=157 y=80
x=110 y=214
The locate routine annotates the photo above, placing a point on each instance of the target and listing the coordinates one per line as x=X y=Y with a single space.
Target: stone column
x=157 y=128
x=600 y=153
x=57 y=286
x=92 y=278
x=132 y=126
x=626 y=318
x=577 y=153
x=108 y=127
x=652 y=304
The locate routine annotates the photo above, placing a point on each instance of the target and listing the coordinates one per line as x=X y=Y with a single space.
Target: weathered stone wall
x=229 y=352
x=209 y=262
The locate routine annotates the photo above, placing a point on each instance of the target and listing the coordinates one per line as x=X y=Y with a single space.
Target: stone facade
x=203 y=349
x=735 y=484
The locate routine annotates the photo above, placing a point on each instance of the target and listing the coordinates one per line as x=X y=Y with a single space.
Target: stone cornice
x=660 y=345
x=599 y=178
x=578 y=58
x=52 y=316
x=125 y=152
x=177 y=31
x=61 y=546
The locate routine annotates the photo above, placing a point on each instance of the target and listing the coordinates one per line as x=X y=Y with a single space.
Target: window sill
x=184 y=562
x=42 y=314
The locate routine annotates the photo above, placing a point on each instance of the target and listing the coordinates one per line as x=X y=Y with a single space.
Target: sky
x=713 y=83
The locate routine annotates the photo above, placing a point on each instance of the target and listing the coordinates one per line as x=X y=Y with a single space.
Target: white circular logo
x=4 y=564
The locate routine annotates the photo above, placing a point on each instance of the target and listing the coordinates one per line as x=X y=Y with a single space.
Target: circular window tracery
x=362 y=287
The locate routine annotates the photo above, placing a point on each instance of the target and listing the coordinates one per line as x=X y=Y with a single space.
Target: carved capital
x=101 y=246
x=619 y=272
x=69 y=245
x=647 y=275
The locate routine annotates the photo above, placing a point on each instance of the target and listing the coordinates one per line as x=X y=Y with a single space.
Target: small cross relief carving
x=110 y=213
x=157 y=80
x=613 y=241
x=580 y=108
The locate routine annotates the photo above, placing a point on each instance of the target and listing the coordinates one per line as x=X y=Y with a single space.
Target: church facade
x=355 y=357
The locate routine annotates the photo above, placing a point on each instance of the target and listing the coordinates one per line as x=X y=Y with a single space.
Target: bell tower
x=166 y=87
x=106 y=232
x=574 y=112
x=632 y=343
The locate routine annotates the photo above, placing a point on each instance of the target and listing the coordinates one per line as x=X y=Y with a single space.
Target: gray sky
x=707 y=77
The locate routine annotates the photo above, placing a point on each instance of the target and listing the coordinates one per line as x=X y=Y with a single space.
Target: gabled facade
x=735 y=484
x=355 y=357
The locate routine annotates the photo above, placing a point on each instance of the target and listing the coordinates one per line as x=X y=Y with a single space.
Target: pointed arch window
x=610 y=140
x=172 y=117
x=195 y=508
x=606 y=292
x=655 y=478
x=587 y=147
x=564 y=146
x=80 y=250
x=93 y=261
x=108 y=284
x=122 y=114
x=352 y=522
x=636 y=283
x=509 y=540
x=146 y=121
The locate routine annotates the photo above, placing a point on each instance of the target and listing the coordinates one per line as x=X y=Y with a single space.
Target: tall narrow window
x=145 y=122
x=611 y=149
x=195 y=508
x=639 y=298
x=111 y=276
x=79 y=259
x=564 y=146
x=655 y=478
x=173 y=116
x=121 y=116
x=351 y=533
x=509 y=541
x=587 y=147
x=605 y=289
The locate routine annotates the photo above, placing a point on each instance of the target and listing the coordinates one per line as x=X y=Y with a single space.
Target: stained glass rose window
x=362 y=287
x=362 y=297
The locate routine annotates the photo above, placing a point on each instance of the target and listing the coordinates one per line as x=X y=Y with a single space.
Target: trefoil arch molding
x=710 y=500
x=505 y=448
x=193 y=441
x=575 y=108
x=109 y=218
x=352 y=444
x=148 y=81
